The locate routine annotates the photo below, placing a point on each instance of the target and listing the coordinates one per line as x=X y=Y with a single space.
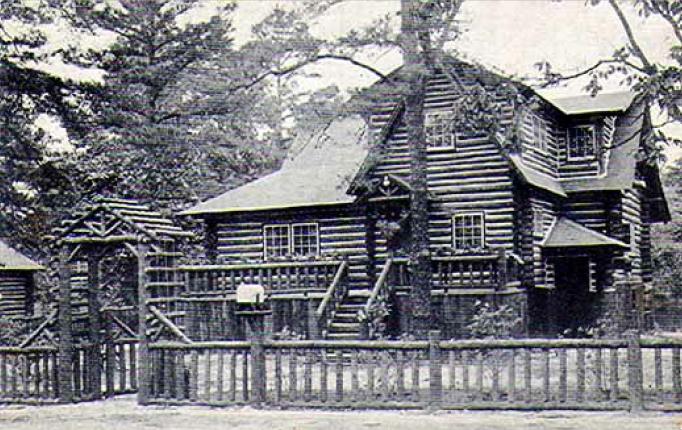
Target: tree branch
x=636 y=49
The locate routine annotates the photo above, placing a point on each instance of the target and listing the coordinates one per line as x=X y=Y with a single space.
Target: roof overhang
x=566 y=233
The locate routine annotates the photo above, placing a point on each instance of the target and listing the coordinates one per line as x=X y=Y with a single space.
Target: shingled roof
x=11 y=259
x=566 y=233
x=319 y=174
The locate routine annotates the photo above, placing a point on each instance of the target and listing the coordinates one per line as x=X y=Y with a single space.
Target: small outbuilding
x=17 y=284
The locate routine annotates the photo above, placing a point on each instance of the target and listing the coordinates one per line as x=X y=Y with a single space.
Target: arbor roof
x=565 y=233
x=319 y=174
x=11 y=259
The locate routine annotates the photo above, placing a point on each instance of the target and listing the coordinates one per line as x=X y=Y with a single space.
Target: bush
x=493 y=322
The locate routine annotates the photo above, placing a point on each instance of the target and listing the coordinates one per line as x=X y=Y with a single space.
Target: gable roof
x=11 y=259
x=113 y=217
x=565 y=233
x=535 y=178
x=599 y=103
x=318 y=175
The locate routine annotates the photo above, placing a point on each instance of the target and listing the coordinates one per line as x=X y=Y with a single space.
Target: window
x=438 y=127
x=538 y=221
x=290 y=239
x=539 y=131
x=304 y=239
x=276 y=239
x=468 y=230
x=581 y=142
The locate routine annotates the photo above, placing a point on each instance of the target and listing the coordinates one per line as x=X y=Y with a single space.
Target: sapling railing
x=485 y=271
x=333 y=296
x=274 y=276
x=493 y=374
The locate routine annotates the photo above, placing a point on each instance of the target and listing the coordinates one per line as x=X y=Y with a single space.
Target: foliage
x=11 y=330
x=667 y=239
x=493 y=322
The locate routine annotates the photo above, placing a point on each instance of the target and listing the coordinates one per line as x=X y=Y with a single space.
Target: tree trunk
x=420 y=259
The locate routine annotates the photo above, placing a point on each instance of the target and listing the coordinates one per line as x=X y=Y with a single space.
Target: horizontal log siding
x=632 y=214
x=474 y=176
x=539 y=268
x=14 y=292
x=341 y=229
x=543 y=161
x=588 y=209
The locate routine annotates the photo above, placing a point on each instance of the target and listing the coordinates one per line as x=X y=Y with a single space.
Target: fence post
x=258 y=369
x=635 y=386
x=143 y=367
x=65 y=369
x=435 y=371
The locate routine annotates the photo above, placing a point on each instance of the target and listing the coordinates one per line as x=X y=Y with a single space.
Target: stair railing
x=380 y=290
x=334 y=295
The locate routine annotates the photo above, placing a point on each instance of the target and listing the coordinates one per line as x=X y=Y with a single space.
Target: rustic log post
x=635 y=386
x=501 y=269
x=313 y=322
x=143 y=349
x=435 y=370
x=94 y=321
x=258 y=369
x=109 y=357
x=65 y=369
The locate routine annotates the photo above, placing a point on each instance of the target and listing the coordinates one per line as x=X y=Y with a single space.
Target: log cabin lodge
x=17 y=286
x=553 y=219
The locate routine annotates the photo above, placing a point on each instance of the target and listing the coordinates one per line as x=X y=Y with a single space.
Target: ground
x=124 y=413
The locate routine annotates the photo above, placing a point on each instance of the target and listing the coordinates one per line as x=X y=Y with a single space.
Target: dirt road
x=123 y=413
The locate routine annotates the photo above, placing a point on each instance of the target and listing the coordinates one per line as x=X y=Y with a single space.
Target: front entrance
x=571 y=302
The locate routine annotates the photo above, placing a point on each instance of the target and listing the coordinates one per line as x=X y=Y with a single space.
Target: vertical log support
x=143 y=350
x=313 y=321
x=211 y=241
x=258 y=370
x=66 y=350
x=95 y=325
x=435 y=370
x=635 y=377
x=502 y=275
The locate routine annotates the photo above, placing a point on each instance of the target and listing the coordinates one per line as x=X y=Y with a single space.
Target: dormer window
x=439 y=130
x=582 y=142
x=539 y=131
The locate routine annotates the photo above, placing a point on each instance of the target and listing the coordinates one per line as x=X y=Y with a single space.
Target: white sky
x=508 y=35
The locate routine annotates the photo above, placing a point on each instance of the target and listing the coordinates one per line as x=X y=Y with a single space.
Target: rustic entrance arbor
x=86 y=314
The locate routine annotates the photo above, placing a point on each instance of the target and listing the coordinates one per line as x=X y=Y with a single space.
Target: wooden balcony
x=276 y=277
x=475 y=271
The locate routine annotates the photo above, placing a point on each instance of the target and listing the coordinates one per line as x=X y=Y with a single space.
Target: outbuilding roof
x=566 y=233
x=10 y=259
x=318 y=174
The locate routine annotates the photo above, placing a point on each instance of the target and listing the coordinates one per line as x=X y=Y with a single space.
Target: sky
x=510 y=36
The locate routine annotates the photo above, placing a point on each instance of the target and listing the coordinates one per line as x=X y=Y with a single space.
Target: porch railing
x=485 y=271
x=334 y=295
x=274 y=276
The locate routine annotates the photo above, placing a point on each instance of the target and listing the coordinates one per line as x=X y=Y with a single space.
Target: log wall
x=16 y=293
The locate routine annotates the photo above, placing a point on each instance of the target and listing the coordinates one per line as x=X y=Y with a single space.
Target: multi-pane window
x=539 y=131
x=304 y=239
x=581 y=142
x=538 y=221
x=468 y=230
x=290 y=239
x=276 y=239
x=438 y=127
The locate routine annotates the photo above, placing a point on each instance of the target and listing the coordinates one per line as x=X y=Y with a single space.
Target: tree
x=658 y=84
x=166 y=125
x=37 y=184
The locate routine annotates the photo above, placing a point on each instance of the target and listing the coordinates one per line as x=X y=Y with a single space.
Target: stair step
x=337 y=326
x=359 y=293
x=343 y=335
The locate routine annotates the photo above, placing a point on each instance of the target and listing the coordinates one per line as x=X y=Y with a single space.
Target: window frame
x=289 y=227
x=453 y=220
x=569 y=140
x=266 y=255
x=539 y=131
x=292 y=238
x=450 y=115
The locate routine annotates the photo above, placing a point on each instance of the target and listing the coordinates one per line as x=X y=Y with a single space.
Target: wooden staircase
x=345 y=324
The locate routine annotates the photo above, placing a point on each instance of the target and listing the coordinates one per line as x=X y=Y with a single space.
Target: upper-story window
x=582 y=142
x=539 y=131
x=439 y=130
x=290 y=239
x=468 y=230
